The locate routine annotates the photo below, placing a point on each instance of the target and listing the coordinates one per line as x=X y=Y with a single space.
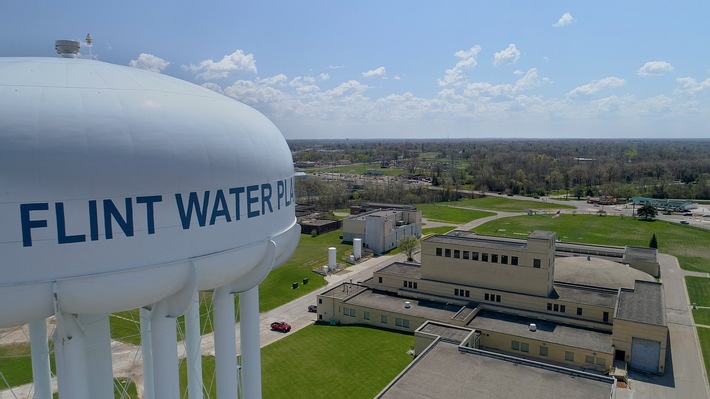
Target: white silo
x=332 y=264
x=127 y=189
x=357 y=248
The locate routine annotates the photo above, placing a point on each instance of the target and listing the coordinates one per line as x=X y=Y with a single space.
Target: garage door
x=644 y=355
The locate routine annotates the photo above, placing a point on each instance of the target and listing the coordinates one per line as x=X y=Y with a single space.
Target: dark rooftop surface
x=546 y=331
x=418 y=308
x=644 y=304
x=343 y=291
x=444 y=372
x=585 y=295
x=401 y=269
x=541 y=235
x=474 y=240
x=447 y=332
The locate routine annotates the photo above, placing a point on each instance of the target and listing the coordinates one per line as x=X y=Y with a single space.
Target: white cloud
x=149 y=62
x=595 y=86
x=396 y=77
x=691 y=86
x=508 y=56
x=323 y=76
x=375 y=73
x=279 y=79
x=654 y=68
x=212 y=86
x=564 y=20
x=229 y=65
x=457 y=74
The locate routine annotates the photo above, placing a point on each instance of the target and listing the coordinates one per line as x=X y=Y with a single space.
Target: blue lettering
x=28 y=224
x=149 y=201
x=291 y=195
x=111 y=212
x=252 y=200
x=266 y=198
x=93 y=221
x=192 y=203
x=280 y=193
x=219 y=208
x=236 y=191
x=62 y=236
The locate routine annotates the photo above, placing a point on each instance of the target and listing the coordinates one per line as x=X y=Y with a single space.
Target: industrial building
x=534 y=299
x=381 y=226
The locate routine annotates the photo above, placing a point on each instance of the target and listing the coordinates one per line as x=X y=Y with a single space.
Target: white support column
x=71 y=367
x=98 y=354
x=164 y=347
x=41 y=372
x=250 y=343
x=192 y=348
x=147 y=354
x=225 y=346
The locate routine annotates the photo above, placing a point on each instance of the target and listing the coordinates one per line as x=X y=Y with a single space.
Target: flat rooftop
x=447 y=332
x=446 y=372
x=645 y=304
x=475 y=240
x=401 y=269
x=391 y=303
x=343 y=291
x=547 y=331
x=584 y=295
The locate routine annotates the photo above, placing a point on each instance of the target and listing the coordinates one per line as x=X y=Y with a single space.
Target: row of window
x=399 y=322
x=544 y=351
x=482 y=256
x=492 y=297
x=562 y=309
x=409 y=284
x=462 y=292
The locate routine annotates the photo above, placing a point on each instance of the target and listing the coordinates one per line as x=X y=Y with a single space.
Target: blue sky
x=410 y=69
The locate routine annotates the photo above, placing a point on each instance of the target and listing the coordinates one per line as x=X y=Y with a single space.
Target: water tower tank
x=121 y=185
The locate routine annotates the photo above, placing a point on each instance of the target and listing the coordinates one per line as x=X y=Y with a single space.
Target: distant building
x=523 y=297
x=381 y=229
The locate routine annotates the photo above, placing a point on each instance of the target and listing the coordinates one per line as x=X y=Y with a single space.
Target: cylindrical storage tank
x=357 y=248
x=119 y=186
x=331 y=258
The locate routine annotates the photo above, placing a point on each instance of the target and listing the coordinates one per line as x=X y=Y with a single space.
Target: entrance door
x=620 y=355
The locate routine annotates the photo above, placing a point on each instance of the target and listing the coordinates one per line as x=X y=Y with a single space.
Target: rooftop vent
x=407 y=305
x=532 y=327
x=67 y=48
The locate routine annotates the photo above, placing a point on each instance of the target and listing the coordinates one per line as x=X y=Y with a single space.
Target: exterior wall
x=353 y=228
x=375 y=229
x=624 y=331
x=555 y=352
x=522 y=278
x=379 y=231
x=652 y=268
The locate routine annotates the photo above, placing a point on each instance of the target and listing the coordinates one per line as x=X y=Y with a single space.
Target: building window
x=366 y=315
x=415 y=285
x=457 y=253
x=588 y=359
x=398 y=322
x=515 y=345
x=320 y=301
x=601 y=361
x=468 y=294
x=556 y=307
x=549 y=306
x=494 y=258
x=379 y=279
x=484 y=257
x=456 y=291
x=536 y=263
x=543 y=351
x=405 y=284
x=606 y=317
x=474 y=255
x=438 y=252
x=579 y=311
x=514 y=260
x=405 y=323
x=497 y=298
x=562 y=308
x=569 y=356
x=524 y=347
x=447 y=253
x=383 y=319
x=487 y=297
x=465 y=254
x=504 y=259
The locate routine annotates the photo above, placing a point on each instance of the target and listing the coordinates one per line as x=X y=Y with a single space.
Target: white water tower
x=124 y=189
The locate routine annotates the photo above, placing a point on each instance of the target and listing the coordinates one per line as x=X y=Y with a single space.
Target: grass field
x=447 y=213
x=504 y=204
x=698 y=290
x=702 y=316
x=358 y=169
x=704 y=336
x=437 y=230
x=333 y=362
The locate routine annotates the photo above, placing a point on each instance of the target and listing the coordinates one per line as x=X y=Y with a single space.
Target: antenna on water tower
x=89 y=40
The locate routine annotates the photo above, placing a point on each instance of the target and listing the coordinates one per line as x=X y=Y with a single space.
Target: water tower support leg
x=225 y=346
x=41 y=373
x=250 y=343
x=98 y=354
x=192 y=348
x=164 y=348
x=71 y=368
x=147 y=354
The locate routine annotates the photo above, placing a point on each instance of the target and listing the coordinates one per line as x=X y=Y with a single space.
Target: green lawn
x=448 y=213
x=16 y=365
x=698 y=291
x=437 y=230
x=704 y=337
x=504 y=204
x=357 y=169
x=333 y=361
x=702 y=316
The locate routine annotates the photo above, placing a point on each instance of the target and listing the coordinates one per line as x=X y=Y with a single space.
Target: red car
x=281 y=326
